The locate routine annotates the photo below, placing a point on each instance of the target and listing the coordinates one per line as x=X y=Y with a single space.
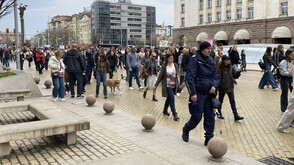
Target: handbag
x=56 y=74
x=144 y=75
x=215 y=102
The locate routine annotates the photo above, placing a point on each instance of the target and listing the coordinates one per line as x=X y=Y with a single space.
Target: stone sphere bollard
x=8 y=69
x=108 y=107
x=91 y=100
x=148 y=122
x=37 y=80
x=48 y=83
x=217 y=147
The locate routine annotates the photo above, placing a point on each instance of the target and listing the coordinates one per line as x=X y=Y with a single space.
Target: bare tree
x=62 y=36
x=5 y=6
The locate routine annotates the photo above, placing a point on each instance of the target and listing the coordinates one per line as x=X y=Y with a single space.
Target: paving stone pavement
x=255 y=137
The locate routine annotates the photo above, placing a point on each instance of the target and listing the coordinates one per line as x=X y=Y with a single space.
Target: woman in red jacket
x=40 y=60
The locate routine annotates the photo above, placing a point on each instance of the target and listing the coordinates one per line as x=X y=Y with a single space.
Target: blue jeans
x=6 y=62
x=99 y=78
x=244 y=64
x=236 y=69
x=59 y=87
x=134 y=72
x=128 y=75
x=170 y=100
x=268 y=77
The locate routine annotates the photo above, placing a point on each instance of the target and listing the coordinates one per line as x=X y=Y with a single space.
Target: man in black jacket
x=75 y=66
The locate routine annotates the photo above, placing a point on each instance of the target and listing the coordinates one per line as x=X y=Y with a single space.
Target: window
x=134 y=25
x=219 y=16
x=183 y=8
x=239 y=13
x=229 y=2
x=183 y=22
x=209 y=17
x=135 y=19
x=239 y=1
x=115 y=24
x=250 y=13
x=209 y=3
x=201 y=19
x=134 y=8
x=136 y=14
x=114 y=7
x=284 y=8
x=135 y=30
x=229 y=15
x=115 y=12
x=115 y=18
x=201 y=4
x=219 y=3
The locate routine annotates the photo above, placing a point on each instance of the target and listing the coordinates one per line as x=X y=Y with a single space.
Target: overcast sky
x=39 y=12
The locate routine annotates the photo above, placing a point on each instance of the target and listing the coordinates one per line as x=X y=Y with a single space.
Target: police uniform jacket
x=201 y=75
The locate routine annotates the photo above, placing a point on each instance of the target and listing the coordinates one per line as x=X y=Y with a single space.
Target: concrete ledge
x=19 y=93
x=14 y=107
x=54 y=121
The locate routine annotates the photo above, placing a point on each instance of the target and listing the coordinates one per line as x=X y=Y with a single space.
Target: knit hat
x=225 y=57
x=204 y=45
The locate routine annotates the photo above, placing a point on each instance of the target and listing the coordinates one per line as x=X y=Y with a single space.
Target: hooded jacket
x=74 y=61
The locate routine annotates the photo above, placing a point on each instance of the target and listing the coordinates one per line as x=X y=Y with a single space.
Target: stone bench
x=53 y=121
x=18 y=93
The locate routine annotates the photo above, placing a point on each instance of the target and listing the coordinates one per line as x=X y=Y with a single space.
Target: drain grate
x=272 y=160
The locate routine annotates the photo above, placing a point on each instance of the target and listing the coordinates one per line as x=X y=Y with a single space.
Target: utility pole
x=16 y=36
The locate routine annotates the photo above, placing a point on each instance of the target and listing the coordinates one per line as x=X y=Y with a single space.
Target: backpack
x=261 y=64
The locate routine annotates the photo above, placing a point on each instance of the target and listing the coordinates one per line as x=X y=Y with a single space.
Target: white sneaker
x=141 y=87
x=54 y=99
x=131 y=88
x=283 y=130
x=275 y=89
x=63 y=99
x=178 y=94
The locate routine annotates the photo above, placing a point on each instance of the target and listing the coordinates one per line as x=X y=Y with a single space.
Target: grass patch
x=6 y=74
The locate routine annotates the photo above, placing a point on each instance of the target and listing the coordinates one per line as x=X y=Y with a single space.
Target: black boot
x=144 y=94
x=237 y=117
x=220 y=115
x=154 y=98
x=185 y=135
x=206 y=141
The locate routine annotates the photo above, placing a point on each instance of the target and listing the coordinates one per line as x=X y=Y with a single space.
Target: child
x=227 y=75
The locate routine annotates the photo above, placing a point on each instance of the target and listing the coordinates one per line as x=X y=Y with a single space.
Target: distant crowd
x=206 y=71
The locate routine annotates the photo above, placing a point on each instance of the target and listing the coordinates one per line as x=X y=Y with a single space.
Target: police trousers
x=197 y=109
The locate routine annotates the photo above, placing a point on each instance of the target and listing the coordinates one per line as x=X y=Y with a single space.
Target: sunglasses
x=153 y=56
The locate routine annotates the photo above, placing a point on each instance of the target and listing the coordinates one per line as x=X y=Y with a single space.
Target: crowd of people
x=207 y=72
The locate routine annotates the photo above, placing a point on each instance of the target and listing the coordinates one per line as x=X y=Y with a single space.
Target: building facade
x=163 y=30
x=78 y=27
x=122 y=23
x=234 y=21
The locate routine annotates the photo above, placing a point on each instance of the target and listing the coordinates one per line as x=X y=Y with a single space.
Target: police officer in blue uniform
x=202 y=79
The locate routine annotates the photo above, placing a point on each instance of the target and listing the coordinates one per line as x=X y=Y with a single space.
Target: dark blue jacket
x=201 y=75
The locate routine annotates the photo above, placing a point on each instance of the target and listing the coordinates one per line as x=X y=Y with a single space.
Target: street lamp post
x=22 y=8
x=16 y=36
